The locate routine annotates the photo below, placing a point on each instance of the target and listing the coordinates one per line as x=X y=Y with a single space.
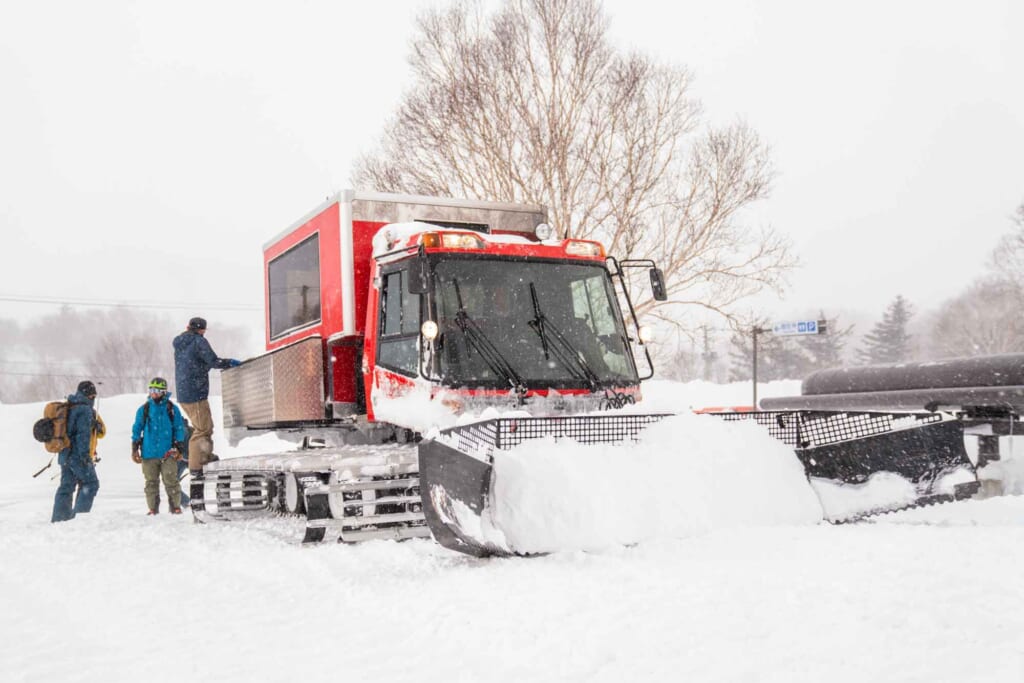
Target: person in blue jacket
x=76 y=464
x=158 y=440
x=193 y=360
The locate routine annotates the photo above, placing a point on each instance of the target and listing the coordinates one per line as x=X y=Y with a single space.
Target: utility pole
x=708 y=355
x=756 y=331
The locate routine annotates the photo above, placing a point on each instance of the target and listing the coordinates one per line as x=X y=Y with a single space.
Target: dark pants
x=155 y=469
x=82 y=475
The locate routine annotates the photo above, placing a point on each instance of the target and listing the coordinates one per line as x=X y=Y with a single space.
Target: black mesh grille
x=799 y=429
x=483 y=438
x=806 y=429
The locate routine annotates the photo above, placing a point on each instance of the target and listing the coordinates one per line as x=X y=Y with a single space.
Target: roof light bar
x=582 y=248
x=452 y=240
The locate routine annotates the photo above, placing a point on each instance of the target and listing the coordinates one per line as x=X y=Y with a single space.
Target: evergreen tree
x=888 y=341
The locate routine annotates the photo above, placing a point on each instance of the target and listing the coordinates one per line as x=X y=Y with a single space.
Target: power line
x=71 y=374
x=127 y=304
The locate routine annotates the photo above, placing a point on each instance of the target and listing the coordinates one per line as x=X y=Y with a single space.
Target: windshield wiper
x=494 y=359
x=559 y=346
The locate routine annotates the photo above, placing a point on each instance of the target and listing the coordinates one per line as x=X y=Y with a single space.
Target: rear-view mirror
x=658 y=284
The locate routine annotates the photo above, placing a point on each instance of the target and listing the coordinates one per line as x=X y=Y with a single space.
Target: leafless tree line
x=119 y=349
x=986 y=318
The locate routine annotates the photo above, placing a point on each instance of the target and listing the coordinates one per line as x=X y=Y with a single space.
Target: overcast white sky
x=147 y=150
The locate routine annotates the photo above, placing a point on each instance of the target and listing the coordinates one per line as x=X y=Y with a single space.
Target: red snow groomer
x=388 y=317
x=389 y=314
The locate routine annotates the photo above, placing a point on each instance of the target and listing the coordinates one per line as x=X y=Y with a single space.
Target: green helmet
x=158 y=384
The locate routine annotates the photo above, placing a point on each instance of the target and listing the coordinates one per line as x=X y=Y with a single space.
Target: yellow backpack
x=52 y=428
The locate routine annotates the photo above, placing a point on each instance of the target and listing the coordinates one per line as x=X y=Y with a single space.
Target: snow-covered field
x=727 y=575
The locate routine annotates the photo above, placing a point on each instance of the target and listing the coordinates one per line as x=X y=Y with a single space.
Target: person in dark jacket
x=76 y=464
x=158 y=440
x=193 y=360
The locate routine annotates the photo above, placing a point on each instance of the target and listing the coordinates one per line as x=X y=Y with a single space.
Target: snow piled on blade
x=947 y=483
x=882 y=491
x=687 y=475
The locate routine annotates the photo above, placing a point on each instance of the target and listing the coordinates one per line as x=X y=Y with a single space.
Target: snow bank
x=928 y=593
x=689 y=474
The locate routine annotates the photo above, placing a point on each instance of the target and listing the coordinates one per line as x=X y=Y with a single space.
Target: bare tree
x=983 y=320
x=128 y=361
x=534 y=105
x=43 y=379
x=1007 y=260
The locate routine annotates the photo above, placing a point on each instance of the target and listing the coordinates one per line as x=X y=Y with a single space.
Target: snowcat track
x=848 y=448
x=963 y=492
x=344 y=494
x=845 y=448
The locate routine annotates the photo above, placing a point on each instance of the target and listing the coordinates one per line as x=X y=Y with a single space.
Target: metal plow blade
x=859 y=464
x=345 y=494
x=862 y=464
x=456 y=469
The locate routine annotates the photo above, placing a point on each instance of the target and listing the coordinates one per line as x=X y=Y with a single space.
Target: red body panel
x=370 y=342
x=326 y=224
x=341 y=357
x=344 y=364
x=362 y=259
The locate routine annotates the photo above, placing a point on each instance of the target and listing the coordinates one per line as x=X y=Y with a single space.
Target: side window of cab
x=399 y=325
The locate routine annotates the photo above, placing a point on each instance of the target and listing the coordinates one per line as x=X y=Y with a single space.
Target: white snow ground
x=732 y=579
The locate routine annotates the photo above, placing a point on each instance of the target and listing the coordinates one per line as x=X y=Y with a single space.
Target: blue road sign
x=792 y=327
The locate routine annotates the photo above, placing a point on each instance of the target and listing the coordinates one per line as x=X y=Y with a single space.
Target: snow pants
x=200 y=446
x=75 y=474
x=155 y=469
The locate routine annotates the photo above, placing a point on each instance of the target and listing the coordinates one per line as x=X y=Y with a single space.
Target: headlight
x=429 y=330
x=543 y=231
x=644 y=333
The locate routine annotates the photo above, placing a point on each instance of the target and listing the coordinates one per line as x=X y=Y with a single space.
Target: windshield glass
x=576 y=300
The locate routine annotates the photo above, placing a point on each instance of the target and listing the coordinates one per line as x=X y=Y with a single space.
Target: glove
x=173 y=454
x=232 y=363
x=136 y=458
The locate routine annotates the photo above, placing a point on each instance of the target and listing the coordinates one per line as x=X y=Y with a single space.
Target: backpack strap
x=145 y=414
x=170 y=417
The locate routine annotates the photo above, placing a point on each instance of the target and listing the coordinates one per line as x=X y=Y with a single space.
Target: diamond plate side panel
x=248 y=393
x=298 y=377
x=284 y=385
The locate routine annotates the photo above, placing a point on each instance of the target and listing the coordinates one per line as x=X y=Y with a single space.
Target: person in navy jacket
x=193 y=360
x=158 y=440
x=76 y=464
